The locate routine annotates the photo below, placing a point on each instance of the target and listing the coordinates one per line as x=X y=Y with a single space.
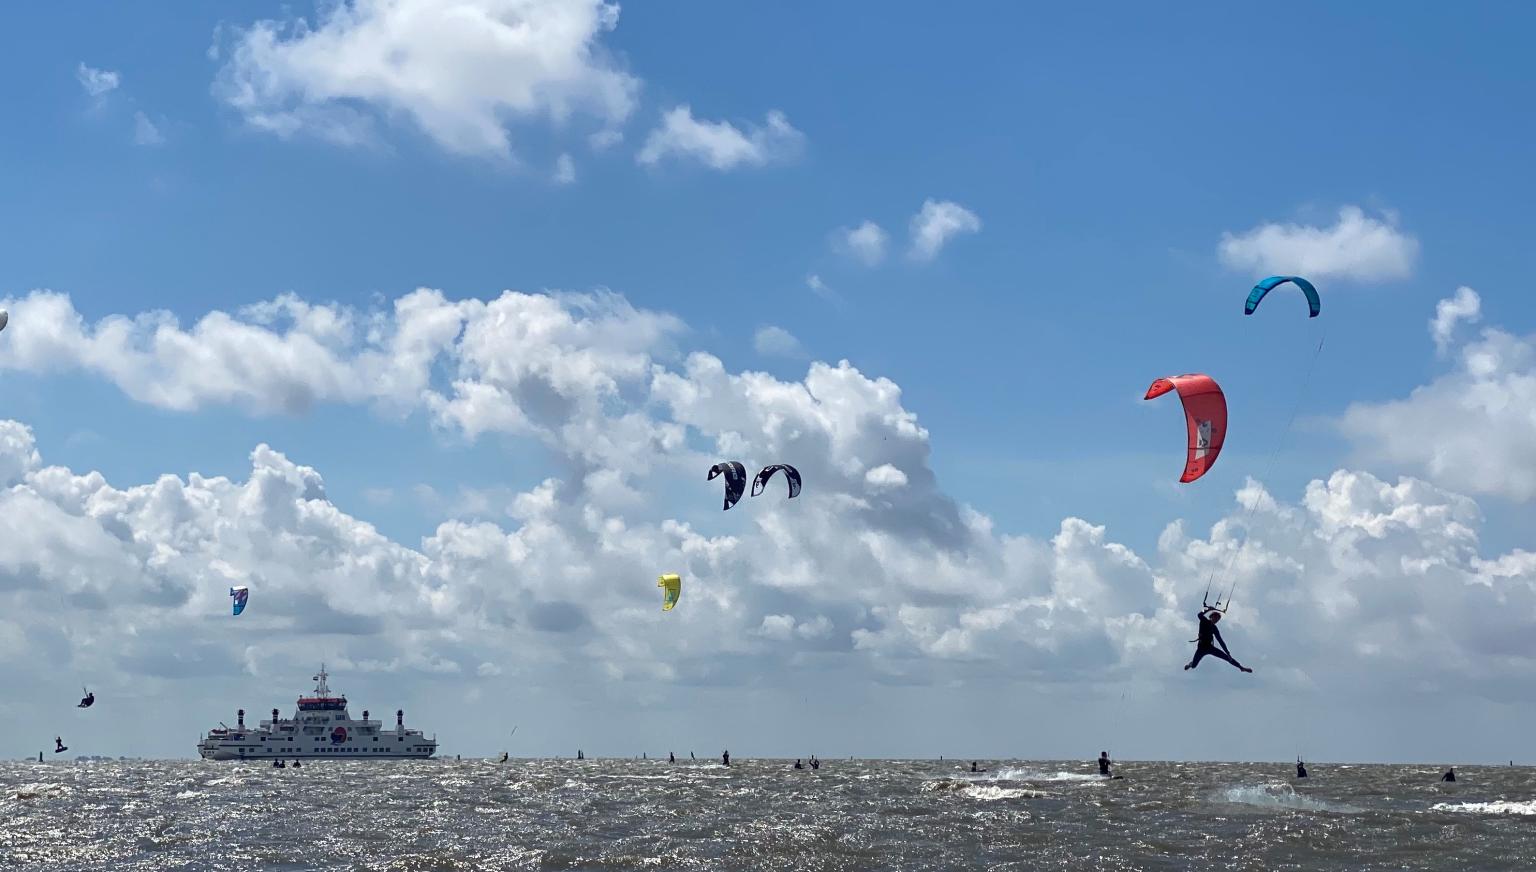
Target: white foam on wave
x=981 y=790
x=1502 y=806
x=1276 y=796
x=1010 y=774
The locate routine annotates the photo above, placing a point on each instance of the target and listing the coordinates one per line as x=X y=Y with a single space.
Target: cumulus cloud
x=97 y=83
x=874 y=563
x=1357 y=246
x=774 y=341
x=936 y=224
x=1465 y=306
x=865 y=243
x=1473 y=428
x=721 y=145
x=460 y=70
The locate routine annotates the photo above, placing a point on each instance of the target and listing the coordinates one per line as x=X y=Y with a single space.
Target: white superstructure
x=319 y=728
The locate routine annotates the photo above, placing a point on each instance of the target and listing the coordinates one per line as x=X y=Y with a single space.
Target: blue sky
x=1104 y=151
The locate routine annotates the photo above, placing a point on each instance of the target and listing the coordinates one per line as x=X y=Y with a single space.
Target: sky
x=425 y=319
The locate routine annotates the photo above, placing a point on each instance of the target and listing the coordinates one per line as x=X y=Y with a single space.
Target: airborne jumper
x=320 y=728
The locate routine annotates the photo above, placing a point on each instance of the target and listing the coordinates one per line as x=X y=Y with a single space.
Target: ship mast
x=321 y=689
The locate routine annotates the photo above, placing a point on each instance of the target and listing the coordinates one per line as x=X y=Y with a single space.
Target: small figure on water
x=815 y=764
x=725 y=758
x=670 y=758
x=1450 y=774
x=1301 y=768
x=1104 y=763
x=974 y=769
x=797 y=763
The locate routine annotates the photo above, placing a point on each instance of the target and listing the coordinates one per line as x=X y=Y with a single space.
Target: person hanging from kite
x=1209 y=616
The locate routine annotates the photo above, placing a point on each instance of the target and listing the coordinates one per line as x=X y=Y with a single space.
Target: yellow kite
x=672 y=588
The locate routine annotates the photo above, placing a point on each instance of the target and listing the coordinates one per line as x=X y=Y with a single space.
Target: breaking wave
x=1277 y=796
x=1502 y=806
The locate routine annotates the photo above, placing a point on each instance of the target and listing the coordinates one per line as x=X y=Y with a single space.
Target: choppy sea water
x=760 y=814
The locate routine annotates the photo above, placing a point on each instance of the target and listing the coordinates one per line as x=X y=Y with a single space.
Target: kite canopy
x=4 y=319
x=1314 y=302
x=671 y=588
x=791 y=475
x=735 y=480
x=1205 y=413
x=240 y=594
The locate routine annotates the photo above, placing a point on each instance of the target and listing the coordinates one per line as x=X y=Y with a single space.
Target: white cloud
x=1465 y=306
x=1357 y=247
x=886 y=477
x=1474 y=428
x=720 y=145
x=603 y=140
x=774 y=341
x=145 y=132
x=937 y=223
x=97 y=83
x=460 y=70
x=565 y=170
x=874 y=566
x=866 y=242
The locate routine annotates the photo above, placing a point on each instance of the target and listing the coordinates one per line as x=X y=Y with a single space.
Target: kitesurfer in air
x=88 y=701
x=58 y=745
x=1208 y=617
x=1104 y=763
x=1301 y=768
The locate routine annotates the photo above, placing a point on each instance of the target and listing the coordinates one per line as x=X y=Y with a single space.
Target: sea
x=610 y=814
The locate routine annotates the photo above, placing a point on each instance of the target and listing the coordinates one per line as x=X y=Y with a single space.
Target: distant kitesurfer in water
x=502 y=760
x=725 y=758
x=1450 y=774
x=670 y=758
x=1104 y=763
x=974 y=769
x=1301 y=768
x=1208 y=618
x=815 y=764
x=797 y=763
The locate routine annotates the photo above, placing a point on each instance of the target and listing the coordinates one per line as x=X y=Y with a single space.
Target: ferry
x=320 y=728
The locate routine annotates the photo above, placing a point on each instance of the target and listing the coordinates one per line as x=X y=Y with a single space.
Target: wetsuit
x=1208 y=634
x=1301 y=769
x=1104 y=764
x=1449 y=776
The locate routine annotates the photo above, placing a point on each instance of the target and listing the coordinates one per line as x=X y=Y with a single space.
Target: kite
x=791 y=474
x=735 y=480
x=672 y=587
x=1314 y=302
x=1205 y=412
x=241 y=594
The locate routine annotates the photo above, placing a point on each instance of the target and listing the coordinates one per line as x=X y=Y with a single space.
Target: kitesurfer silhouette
x=1208 y=617
x=1450 y=774
x=88 y=701
x=1104 y=763
x=725 y=758
x=58 y=743
x=1301 y=768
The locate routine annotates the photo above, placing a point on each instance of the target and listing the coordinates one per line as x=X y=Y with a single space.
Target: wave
x=982 y=791
x=1277 y=796
x=1010 y=774
x=1502 y=806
